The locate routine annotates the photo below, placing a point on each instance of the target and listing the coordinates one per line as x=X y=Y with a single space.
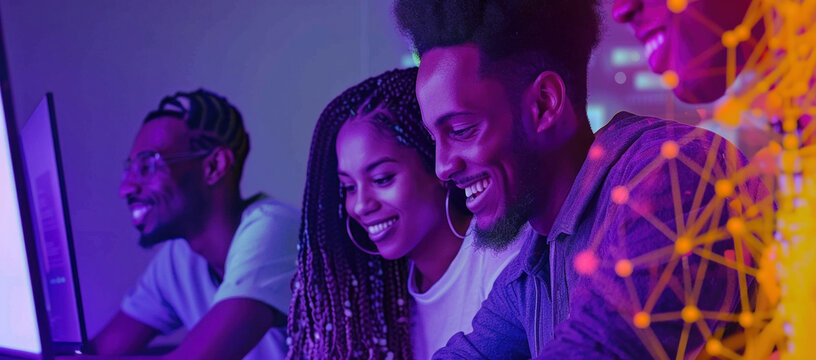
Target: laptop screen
x=51 y=225
x=18 y=318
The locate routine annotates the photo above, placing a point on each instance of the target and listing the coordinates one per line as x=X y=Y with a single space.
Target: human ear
x=548 y=96
x=218 y=164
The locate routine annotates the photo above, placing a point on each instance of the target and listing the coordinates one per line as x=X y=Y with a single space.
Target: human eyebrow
x=371 y=166
x=442 y=120
x=379 y=162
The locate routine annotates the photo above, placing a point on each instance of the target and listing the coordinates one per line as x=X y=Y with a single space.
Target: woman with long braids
x=385 y=270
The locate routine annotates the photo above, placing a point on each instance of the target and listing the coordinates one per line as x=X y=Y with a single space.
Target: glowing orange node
x=789 y=126
x=677 y=6
x=735 y=226
x=713 y=347
x=790 y=142
x=690 y=314
x=586 y=263
x=669 y=149
x=670 y=79
x=623 y=268
x=620 y=195
x=728 y=112
x=724 y=188
x=746 y=319
x=729 y=39
x=683 y=245
x=642 y=320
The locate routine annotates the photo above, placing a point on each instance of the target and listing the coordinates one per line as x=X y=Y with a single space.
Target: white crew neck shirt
x=177 y=288
x=449 y=305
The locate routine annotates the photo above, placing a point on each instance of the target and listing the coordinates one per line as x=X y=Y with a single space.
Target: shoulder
x=652 y=140
x=664 y=169
x=268 y=232
x=263 y=207
x=267 y=217
x=262 y=256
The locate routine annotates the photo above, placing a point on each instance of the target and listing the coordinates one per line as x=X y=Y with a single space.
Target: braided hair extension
x=214 y=120
x=348 y=304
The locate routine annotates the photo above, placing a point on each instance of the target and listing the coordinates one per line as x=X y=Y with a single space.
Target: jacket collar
x=611 y=142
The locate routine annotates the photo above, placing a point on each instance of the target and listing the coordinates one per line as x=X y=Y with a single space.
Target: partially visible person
x=502 y=86
x=689 y=44
x=767 y=86
x=224 y=271
x=387 y=266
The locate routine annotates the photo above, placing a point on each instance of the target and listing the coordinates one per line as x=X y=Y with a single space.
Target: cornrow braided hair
x=215 y=121
x=348 y=304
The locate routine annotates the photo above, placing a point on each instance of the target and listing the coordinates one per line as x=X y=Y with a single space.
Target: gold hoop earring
x=351 y=236
x=447 y=216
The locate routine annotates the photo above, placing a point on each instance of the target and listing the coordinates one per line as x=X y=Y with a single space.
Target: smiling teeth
x=380 y=227
x=477 y=188
x=139 y=212
x=653 y=43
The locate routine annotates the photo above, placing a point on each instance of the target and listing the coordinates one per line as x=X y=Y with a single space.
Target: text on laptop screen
x=50 y=228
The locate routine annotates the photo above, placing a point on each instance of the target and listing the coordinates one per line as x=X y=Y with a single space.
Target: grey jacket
x=540 y=305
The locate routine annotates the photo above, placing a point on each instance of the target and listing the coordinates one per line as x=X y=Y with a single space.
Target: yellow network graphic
x=772 y=238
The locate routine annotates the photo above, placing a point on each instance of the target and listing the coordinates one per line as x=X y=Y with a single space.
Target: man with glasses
x=224 y=275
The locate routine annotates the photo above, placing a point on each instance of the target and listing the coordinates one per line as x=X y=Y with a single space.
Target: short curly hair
x=517 y=39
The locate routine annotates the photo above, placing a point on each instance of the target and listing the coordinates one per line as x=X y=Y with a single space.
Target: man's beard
x=519 y=210
x=506 y=228
x=159 y=235
x=174 y=224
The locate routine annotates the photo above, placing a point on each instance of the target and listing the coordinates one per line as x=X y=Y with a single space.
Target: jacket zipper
x=536 y=317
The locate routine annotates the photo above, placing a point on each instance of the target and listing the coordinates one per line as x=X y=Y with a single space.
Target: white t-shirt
x=449 y=305
x=177 y=289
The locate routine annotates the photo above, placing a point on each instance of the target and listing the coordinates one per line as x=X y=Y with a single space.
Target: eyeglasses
x=147 y=163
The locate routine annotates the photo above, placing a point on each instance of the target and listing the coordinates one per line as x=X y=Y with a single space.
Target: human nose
x=448 y=162
x=365 y=202
x=129 y=186
x=624 y=11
